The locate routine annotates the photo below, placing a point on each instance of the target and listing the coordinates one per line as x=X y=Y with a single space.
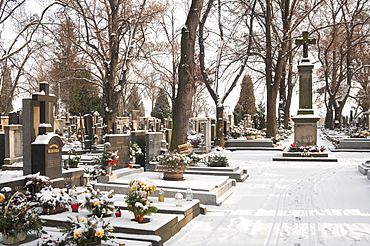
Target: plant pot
x=57 y=209
x=108 y=170
x=175 y=176
x=251 y=137
x=73 y=165
x=93 y=244
x=139 y=218
x=21 y=236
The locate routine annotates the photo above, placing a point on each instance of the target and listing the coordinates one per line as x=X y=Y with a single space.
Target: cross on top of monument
x=305 y=41
x=45 y=99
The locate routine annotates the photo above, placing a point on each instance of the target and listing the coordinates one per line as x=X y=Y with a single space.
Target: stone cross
x=45 y=99
x=305 y=41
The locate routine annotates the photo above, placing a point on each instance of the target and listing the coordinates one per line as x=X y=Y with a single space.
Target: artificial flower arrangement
x=35 y=182
x=137 y=198
x=217 y=161
x=53 y=199
x=50 y=240
x=98 y=203
x=195 y=142
x=235 y=133
x=18 y=217
x=84 y=230
x=173 y=162
x=194 y=159
x=95 y=171
x=294 y=148
x=73 y=158
x=135 y=150
x=110 y=158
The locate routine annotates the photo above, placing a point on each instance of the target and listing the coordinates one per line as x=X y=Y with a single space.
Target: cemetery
x=119 y=127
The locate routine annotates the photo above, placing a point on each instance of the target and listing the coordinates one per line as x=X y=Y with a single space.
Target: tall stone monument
x=305 y=123
x=42 y=149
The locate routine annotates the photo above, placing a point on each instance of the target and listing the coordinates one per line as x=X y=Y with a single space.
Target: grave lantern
x=189 y=194
x=161 y=195
x=178 y=199
x=75 y=204
x=86 y=178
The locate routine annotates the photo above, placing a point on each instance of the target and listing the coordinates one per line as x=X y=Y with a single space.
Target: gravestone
x=139 y=138
x=13 y=144
x=42 y=153
x=305 y=123
x=89 y=141
x=121 y=144
x=47 y=156
x=207 y=136
x=153 y=142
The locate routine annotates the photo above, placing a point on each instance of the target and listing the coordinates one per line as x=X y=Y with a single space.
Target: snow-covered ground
x=288 y=203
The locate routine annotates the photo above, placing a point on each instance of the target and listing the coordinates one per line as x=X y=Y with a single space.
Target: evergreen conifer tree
x=247 y=102
x=162 y=107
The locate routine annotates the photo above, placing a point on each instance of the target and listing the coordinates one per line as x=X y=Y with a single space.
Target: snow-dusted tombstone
x=47 y=157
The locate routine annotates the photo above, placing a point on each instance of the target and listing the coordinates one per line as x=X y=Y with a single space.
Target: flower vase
x=12 y=239
x=108 y=169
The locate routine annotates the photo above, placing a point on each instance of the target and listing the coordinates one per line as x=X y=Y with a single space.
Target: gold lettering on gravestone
x=53 y=148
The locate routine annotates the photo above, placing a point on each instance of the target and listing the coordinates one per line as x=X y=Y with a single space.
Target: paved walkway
x=288 y=203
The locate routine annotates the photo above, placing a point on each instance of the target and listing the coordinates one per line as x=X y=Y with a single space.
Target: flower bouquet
x=18 y=217
x=110 y=158
x=137 y=198
x=98 y=203
x=82 y=231
x=53 y=200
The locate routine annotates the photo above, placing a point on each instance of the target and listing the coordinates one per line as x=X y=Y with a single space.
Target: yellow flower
x=96 y=202
x=99 y=232
x=76 y=233
x=2 y=197
x=82 y=219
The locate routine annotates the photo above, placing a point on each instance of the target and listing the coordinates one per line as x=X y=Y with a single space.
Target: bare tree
x=113 y=35
x=340 y=38
x=226 y=62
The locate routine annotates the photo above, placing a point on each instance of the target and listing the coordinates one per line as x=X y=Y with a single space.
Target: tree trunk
x=271 y=92
x=186 y=87
x=220 y=136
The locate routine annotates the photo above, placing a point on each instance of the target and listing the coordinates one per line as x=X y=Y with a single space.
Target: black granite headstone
x=139 y=138
x=47 y=155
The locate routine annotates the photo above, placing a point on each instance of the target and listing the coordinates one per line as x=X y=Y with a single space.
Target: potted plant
x=109 y=159
x=84 y=231
x=99 y=203
x=53 y=200
x=73 y=158
x=18 y=217
x=173 y=165
x=137 y=198
x=217 y=161
x=235 y=134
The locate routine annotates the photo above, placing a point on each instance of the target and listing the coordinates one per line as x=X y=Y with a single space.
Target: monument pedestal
x=305 y=130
